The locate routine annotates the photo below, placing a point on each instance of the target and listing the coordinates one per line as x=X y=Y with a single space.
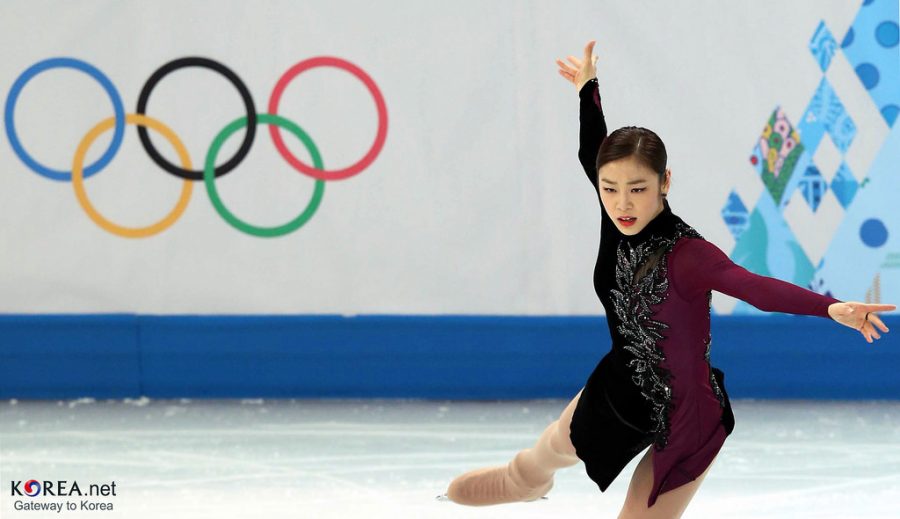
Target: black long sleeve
x=591 y=134
x=593 y=129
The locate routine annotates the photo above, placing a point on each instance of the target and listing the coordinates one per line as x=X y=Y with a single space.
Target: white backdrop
x=476 y=204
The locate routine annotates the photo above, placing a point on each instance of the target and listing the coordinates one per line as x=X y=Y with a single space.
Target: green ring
x=209 y=177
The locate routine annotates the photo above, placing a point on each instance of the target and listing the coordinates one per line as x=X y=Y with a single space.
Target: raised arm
x=593 y=129
x=699 y=266
x=582 y=73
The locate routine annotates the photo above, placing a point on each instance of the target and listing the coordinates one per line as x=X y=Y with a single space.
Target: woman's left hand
x=581 y=71
x=860 y=317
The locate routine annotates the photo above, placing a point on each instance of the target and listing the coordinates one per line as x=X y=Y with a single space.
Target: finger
x=594 y=60
x=878 y=308
x=869 y=329
x=880 y=324
x=576 y=63
x=566 y=67
x=562 y=66
x=570 y=77
x=589 y=49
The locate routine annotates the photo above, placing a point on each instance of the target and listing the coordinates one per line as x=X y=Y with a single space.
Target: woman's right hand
x=581 y=70
x=856 y=315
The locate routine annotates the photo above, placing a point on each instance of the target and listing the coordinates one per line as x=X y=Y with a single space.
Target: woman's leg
x=669 y=505
x=528 y=476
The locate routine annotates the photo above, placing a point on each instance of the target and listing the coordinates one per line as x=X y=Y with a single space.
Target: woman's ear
x=668 y=183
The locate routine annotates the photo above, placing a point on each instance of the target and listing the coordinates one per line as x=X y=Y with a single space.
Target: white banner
x=475 y=203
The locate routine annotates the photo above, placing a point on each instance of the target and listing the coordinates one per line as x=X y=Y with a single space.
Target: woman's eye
x=635 y=190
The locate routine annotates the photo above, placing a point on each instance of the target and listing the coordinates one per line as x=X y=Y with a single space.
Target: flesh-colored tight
x=528 y=476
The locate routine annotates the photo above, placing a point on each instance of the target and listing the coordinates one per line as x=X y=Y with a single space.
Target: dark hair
x=637 y=142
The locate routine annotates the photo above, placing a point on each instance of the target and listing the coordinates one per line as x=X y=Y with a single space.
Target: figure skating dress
x=656 y=387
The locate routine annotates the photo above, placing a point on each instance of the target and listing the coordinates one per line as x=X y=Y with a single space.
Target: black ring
x=245 y=96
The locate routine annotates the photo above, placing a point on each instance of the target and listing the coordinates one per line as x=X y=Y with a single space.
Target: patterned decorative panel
x=871 y=46
x=851 y=234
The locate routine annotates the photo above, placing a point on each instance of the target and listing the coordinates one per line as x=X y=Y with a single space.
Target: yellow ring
x=81 y=194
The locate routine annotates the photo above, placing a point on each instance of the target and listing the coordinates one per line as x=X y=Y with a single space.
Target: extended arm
x=700 y=266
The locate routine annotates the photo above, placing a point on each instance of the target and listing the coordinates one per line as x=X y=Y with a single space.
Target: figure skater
x=655 y=388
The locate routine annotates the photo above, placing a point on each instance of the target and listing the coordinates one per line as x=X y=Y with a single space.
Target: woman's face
x=630 y=189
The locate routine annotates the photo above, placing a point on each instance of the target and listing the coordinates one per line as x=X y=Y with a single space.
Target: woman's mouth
x=627 y=221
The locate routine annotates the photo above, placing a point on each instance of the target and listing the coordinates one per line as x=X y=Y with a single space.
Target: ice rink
x=390 y=458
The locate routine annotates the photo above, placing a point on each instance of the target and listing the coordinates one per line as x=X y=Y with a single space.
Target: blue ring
x=88 y=69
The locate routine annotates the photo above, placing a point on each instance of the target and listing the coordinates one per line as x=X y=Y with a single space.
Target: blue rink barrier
x=444 y=357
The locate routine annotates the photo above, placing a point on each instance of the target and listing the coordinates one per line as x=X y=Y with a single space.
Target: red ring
x=275 y=131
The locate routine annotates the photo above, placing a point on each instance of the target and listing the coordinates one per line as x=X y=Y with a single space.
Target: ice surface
x=390 y=458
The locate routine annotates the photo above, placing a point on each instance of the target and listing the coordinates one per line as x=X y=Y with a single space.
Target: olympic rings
x=99 y=219
x=172 y=66
x=88 y=69
x=210 y=179
x=210 y=172
x=373 y=152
